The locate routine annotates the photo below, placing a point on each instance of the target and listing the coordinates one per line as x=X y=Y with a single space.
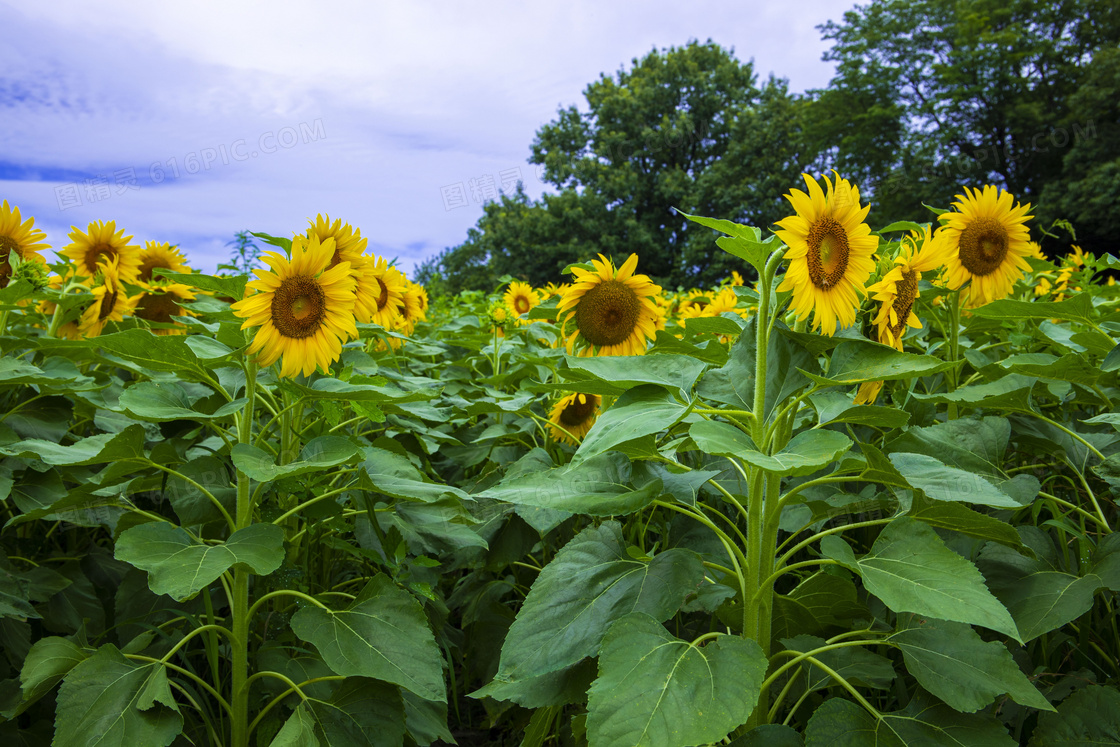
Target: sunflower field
x=861 y=493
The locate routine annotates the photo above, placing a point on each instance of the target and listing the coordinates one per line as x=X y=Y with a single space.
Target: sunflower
x=110 y=304
x=159 y=303
x=99 y=242
x=162 y=257
x=868 y=392
x=349 y=246
x=409 y=310
x=898 y=290
x=736 y=278
x=19 y=236
x=304 y=310
x=830 y=252
x=987 y=243
x=520 y=298
x=572 y=417
x=612 y=310
x=390 y=285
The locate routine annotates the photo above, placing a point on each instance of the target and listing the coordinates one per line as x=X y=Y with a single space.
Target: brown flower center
x=298 y=307
x=828 y=252
x=7 y=246
x=383 y=296
x=577 y=413
x=907 y=290
x=608 y=313
x=521 y=303
x=96 y=252
x=158 y=307
x=149 y=264
x=108 y=301
x=983 y=246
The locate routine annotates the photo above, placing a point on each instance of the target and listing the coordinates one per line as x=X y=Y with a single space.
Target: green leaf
x=944 y=483
x=616 y=374
x=857 y=665
x=770 y=735
x=565 y=686
x=858 y=361
x=806 y=452
x=590 y=583
x=382 y=634
x=655 y=690
x=911 y=570
x=958 y=518
x=733 y=383
x=161 y=402
x=110 y=700
x=598 y=486
x=49 y=660
x=1070 y=367
x=1088 y=718
x=360 y=713
x=836 y=407
x=1012 y=392
x=744 y=242
x=15 y=592
x=317 y=455
x=842 y=723
x=231 y=287
x=106 y=447
x=641 y=411
x=181 y=567
x=393 y=475
x=1039 y=595
x=150 y=352
x=954 y=663
x=1075 y=308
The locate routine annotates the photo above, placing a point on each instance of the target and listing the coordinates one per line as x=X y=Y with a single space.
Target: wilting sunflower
x=572 y=417
x=160 y=256
x=612 y=310
x=830 y=252
x=159 y=303
x=898 y=290
x=110 y=304
x=304 y=310
x=19 y=236
x=987 y=243
x=100 y=242
x=520 y=298
x=390 y=285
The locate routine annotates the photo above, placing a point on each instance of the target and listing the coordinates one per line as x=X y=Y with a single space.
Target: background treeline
x=929 y=95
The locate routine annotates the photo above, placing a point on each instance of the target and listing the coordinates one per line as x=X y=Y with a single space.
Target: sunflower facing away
x=612 y=310
x=19 y=236
x=159 y=303
x=304 y=310
x=572 y=417
x=100 y=242
x=160 y=256
x=898 y=290
x=110 y=304
x=520 y=298
x=830 y=252
x=987 y=243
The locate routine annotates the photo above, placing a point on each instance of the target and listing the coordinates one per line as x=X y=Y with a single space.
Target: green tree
x=930 y=95
x=686 y=128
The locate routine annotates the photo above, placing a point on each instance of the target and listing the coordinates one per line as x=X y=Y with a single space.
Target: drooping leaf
x=923 y=723
x=655 y=690
x=160 y=402
x=954 y=663
x=180 y=567
x=616 y=374
x=382 y=634
x=591 y=583
x=99 y=449
x=109 y=700
x=641 y=411
x=360 y=713
x=911 y=570
x=318 y=454
x=806 y=452
x=1088 y=718
x=859 y=361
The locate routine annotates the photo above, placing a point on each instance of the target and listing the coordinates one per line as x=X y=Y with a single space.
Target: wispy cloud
x=186 y=123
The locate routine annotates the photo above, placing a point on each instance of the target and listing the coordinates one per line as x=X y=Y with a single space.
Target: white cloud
x=411 y=98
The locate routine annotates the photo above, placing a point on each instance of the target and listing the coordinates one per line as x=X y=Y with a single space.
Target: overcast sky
x=186 y=122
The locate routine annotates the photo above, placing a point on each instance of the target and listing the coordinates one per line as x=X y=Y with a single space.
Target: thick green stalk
x=239 y=696
x=954 y=352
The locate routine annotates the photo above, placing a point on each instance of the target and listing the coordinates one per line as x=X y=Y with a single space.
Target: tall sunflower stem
x=954 y=348
x=239 y=695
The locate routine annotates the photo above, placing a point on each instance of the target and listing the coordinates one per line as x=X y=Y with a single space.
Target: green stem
x=239 y=691
x=954 y=347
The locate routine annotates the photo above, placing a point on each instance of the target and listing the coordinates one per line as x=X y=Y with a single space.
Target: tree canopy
x=928 y=96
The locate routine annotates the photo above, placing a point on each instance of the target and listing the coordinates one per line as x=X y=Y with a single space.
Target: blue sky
x=187 y=122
